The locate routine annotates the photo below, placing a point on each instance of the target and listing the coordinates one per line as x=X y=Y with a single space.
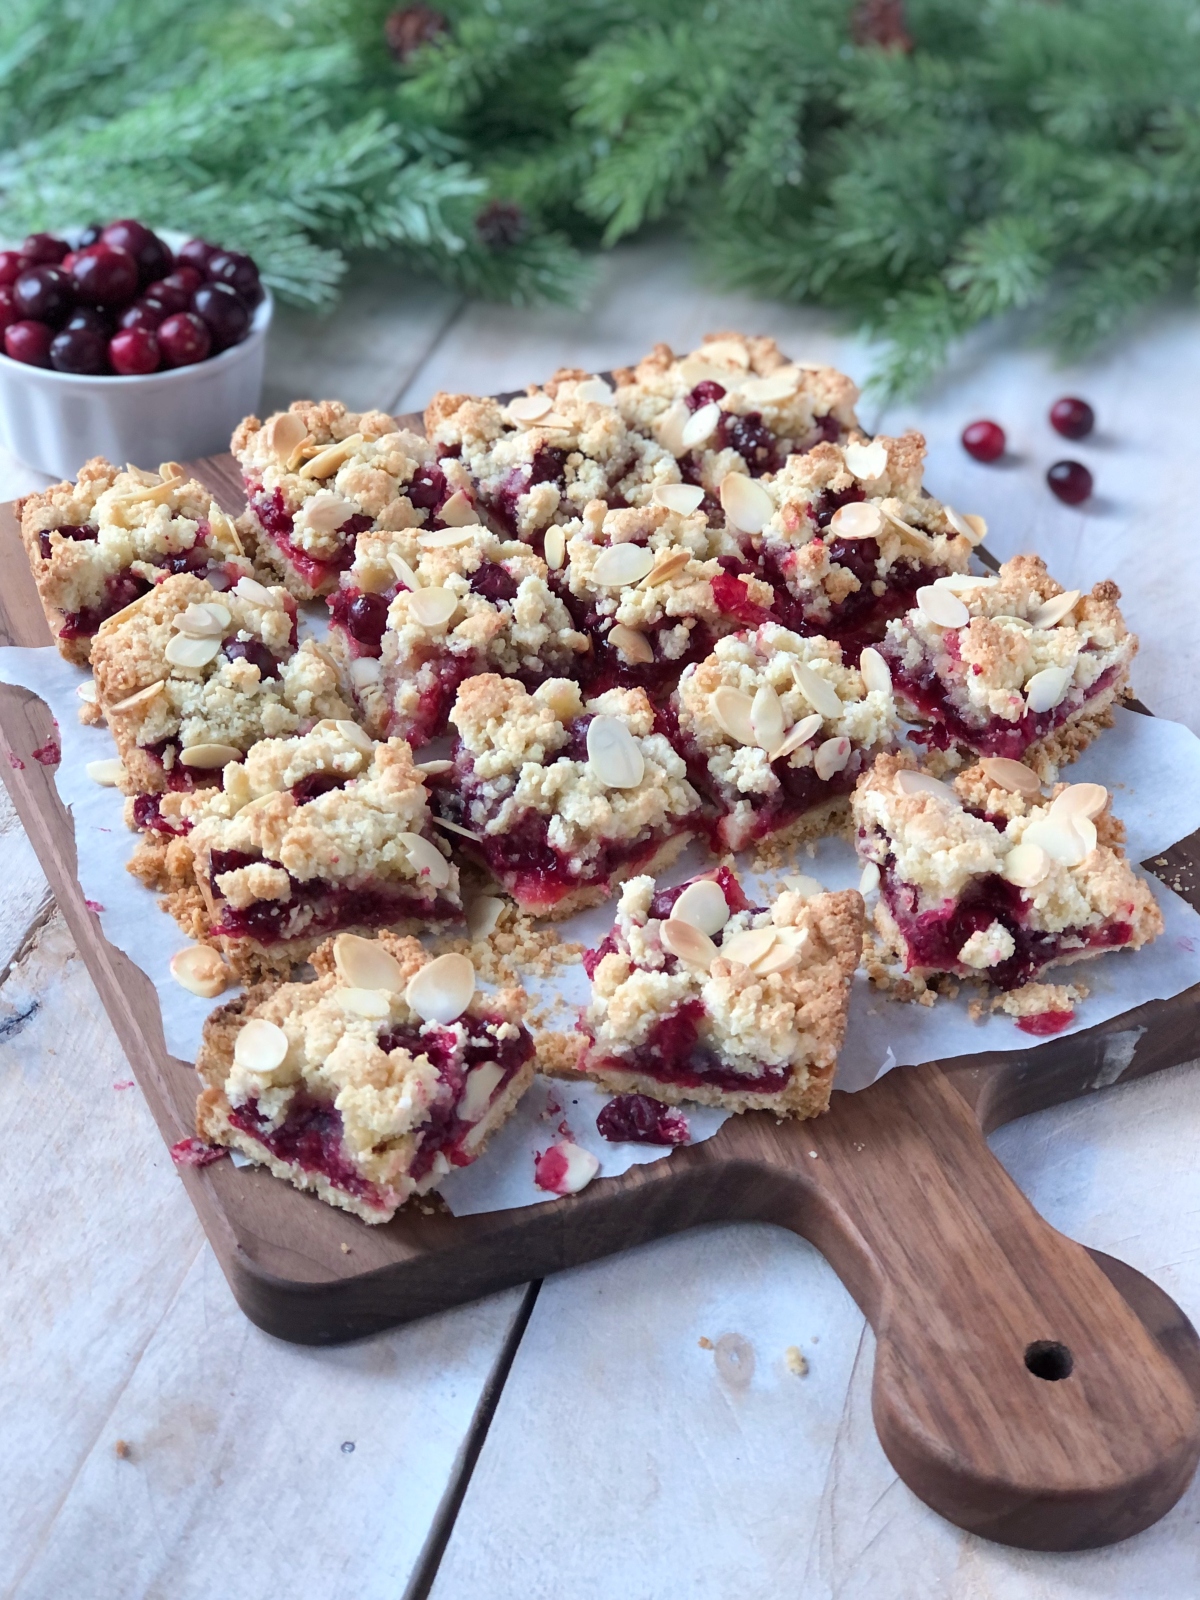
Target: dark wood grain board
x=971 y=1294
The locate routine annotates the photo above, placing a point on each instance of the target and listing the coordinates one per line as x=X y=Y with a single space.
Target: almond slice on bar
x=200 y=621
x=108 y=773
x=326 y=512
x=481 y=1084
x=683 y=498
x=1052 y=612
x=207 y=757
x=458 y=512
x=527 y=408
x=942 y=607
x=831 y=757
x=799 y=733
x=748 y=947
x=1048 y=688
x=434 y=769
x=353 y=734
x=732 y=711
x=370 y=1004
x=446 y=538
x=283 y=435
x=700 y=426
x=703 y=904
x=457 y=827
x=613 y=754
x=1026 y=864
x=634 y=646
x=970 y=526
x=200 y=971
x=909 y=782
x=876 y=674
x=1063 y=837
x=800 y=883
x=326 y=462
x=257 y=594
x=818 y=691
x=620 y=565
x=594 y=391
x=554 y=547
x=766 y=718
x=426 y=859
x=747 y=505
x=365 y=964
x=869 y=881
x=141 y=697
x=185 y=651
x=432 y=608
x=441 y=991
x=403 y=571
x=779 y=958
x=688 y=943
x=858 y=520
x=1014 y=776
x=866 y=461
x=1080 y=800
x=775 y=387
x=260 y=1046
x=666 y=564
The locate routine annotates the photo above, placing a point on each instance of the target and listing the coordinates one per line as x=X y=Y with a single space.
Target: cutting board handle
x=1027 y=1389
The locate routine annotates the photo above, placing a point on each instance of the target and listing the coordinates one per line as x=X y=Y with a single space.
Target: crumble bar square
x=369 y=1084
x=698 y=995
x=561 y=799
x=991 y=878
x=99 y=543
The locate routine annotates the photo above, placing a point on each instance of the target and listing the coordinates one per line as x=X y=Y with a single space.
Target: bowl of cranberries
x=126 y=343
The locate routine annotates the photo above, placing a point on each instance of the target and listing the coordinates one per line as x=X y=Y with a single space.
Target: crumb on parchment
x=515 y=949
x=796 y=1361
x=705 y=1344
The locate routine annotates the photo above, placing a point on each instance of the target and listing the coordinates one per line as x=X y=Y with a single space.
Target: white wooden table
x=573 y=1439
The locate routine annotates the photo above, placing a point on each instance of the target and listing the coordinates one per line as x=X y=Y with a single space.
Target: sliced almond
x=222 y=530
x=732 y=711
x=876 y=674
x=483 y=915
x=687 y=943
x=458 y=512
x=353 y=734
x=554 y=547
x=482 y=1083
x=698 y=369
x=446 y=538
x=371 y=1004
x=909 y=782
x=257 y=594
x=207 y=757
x=441 y=991
x=1081 y=800
x=613 y=754
x=775 y=387
x=594 y=391
x=700 y=426
x=365 y=964
x=140 y=698
x=203 y=621
x=529 y=407
x=866 y=461
x=970 y=526
x=403 y=571
x=457 y=827
x=782 y=956
x=916 y=536
x=683 y=498
x=831 y=757
x=87 y=692
x=200 y=971
x=703 y=904
x=108 y=774
x=432 y=608
x=766 y=718
x=747 y=505
x=726 y=353
x=170 y=469
x=869 y=881
x=798 y=734
x=131 y=610
x=750 y=946
x=326 y=462
x=1055 y=611
x=1060 y=837
x=669 y=426
x=434 y=769
x=942 y=607
x=1012 y=776
x=965 y=582
x=800 y=883
x=634 y=646
x=183 y=650
x=260 y=1046
x=667 y=564
x=1047 y=688
x=326 y=512
x=1026 y=864
x=284 y=434
x=622 y=564
x=426 y=859
x=859 y=520
x=820 y=694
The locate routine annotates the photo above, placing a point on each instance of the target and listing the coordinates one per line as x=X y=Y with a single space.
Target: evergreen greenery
x=1040 y=156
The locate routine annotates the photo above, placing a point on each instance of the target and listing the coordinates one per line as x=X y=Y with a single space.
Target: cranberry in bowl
x=126 y=346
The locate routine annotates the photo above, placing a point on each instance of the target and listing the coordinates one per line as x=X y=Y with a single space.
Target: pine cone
x=500 y=225
x=411 y=27
x=882 y=23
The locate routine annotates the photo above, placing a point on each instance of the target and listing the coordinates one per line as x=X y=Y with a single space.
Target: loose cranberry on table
x=1071 y=417
x=184 y=339
x=29 y=342
x=134 y=352
x=224 y=313
x=1070 y=481
x=82 y=350
x=152 y=256
x=104 y=276
x=984 y=440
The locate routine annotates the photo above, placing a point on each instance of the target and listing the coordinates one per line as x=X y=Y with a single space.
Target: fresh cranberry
x=255 y=652
x=186 y=278
x=704 y=394
x=134 y=352
x=80 y=350
x=43 y=293
x=1074 y=419
x=239 y=272
x=1070 y=481
x=751 y=438
x=984 y=440
x=364 y=617
x=224 y=313
x=105 y=276
x=68 y=530
x=197 y=253
x=494 y=582
x=147 y=314
x=184 y=339
x=29 y=342
x=12 y=265
x=90 y=235
x=43 y=249
x=637 y=1119
x=428 y=489
x=8 y=307
x=168 y=295
x=152 y=256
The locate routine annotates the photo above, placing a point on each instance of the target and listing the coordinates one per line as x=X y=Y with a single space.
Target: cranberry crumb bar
x=470 y=602
x=322 y=832
x=563 y=800
x=540 y=459
x=369 y=1084
x=697 y=995
x=735 y=405
x=991 y=878
x=99 y=543
x=1011 y=665
x=776 y=731
x=318 y=476
x=189 y=678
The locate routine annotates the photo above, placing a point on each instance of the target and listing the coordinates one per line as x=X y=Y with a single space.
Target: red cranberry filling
x=637 y=1119
x=494 y=582
x=752 y=439
x=362 y=616
x=428 y=489
x=862 y=617
x=673 y=1053
x=148 y=816
x=255 y=652
x=660 y=909
x=706 y=393
x=310 y=1138
x=276 y=521
x=120 y=590
x=549 y=465
x=85 y=530
x=733 y=598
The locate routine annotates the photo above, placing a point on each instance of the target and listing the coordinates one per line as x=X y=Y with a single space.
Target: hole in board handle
x=1048 y=1359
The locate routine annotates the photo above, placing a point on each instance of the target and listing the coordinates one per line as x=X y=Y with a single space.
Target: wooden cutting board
x=1027 y=1388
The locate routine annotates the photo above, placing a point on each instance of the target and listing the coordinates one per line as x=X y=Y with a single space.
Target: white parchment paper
x=1151 y=766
